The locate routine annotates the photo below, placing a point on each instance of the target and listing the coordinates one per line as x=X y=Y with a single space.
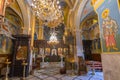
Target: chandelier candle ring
x=48 y=11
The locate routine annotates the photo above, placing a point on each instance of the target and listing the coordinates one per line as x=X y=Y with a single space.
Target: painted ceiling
x=88 y=9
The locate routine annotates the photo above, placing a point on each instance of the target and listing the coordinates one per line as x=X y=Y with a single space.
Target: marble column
x=79 y=45
x=79 y=50
x=111 y=66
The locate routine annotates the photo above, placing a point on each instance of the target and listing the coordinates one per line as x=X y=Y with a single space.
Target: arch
x=25 y=15
x=10 y=12
x=79 y=13
x=76 y=22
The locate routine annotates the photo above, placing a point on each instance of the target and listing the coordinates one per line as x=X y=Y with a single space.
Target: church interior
x=59 y=39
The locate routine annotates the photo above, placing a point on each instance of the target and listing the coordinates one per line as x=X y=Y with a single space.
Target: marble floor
x=52 y=73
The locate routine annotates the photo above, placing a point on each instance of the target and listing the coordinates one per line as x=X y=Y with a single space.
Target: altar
x=46 y=54
x=51 y=64
x=52 y=58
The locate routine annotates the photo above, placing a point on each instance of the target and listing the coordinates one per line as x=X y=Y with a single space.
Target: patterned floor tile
x=59 y=76
x=67 y=78
x=34 y=78
x=52 y=73
x=50 y=78
x=42 y=76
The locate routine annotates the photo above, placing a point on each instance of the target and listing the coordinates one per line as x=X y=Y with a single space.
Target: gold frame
x=47 y=51
x=21 y=53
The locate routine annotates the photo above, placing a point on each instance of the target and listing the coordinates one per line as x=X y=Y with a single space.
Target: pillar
x=2 y=7
x=2 y=10
x=79 y=45
x=79 y=53
x=109 y=17
x=40 y=33
x=32 y=29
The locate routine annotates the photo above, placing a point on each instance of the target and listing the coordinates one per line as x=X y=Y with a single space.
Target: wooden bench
x=94 y=65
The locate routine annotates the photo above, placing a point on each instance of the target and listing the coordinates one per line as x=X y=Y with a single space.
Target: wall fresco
x=5 y=45
x=109 y=17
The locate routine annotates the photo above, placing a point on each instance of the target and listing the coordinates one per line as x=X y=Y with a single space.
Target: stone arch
x=25 y=14
x=79 y=13
x=76 y=21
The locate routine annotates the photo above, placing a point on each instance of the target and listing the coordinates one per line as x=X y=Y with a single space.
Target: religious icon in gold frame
x=47 y=51
x=21 y=53
x=60 y=51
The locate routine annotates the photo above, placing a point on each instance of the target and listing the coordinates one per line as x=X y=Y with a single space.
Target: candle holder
x=72 y=62
x=61 y=62
x=7 y=65
x=93 y=72
x=43 y=60
x=24 y=66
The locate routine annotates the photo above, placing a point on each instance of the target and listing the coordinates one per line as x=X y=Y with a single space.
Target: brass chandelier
x=53 y=39
x=48 y=11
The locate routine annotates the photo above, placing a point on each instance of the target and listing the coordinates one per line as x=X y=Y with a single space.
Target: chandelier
x=53 y=39
x=48 y=11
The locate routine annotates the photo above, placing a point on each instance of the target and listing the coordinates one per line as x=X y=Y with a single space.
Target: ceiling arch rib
x=13 y=17
x=90 y=16
x=70 y=4
x=14 y=6
x=79 y=13
x=26 y=16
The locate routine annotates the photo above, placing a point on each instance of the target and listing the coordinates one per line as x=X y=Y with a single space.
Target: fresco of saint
x=110 y=29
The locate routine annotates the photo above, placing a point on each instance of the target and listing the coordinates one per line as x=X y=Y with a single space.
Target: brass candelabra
x=24 y=66
x=7 y=66
x=72 y=62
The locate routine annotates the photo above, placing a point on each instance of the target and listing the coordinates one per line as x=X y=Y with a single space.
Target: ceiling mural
x=89 y=23
x=87 y=10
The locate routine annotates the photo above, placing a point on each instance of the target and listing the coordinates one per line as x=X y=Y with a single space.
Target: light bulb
x=58 y=2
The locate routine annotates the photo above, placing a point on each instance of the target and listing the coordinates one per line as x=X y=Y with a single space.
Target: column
x=79 y=45
x=109 y=16
x=40 y=33
x=2 y=7
x=32 y=29
x=79 y=53
x=32 y=20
